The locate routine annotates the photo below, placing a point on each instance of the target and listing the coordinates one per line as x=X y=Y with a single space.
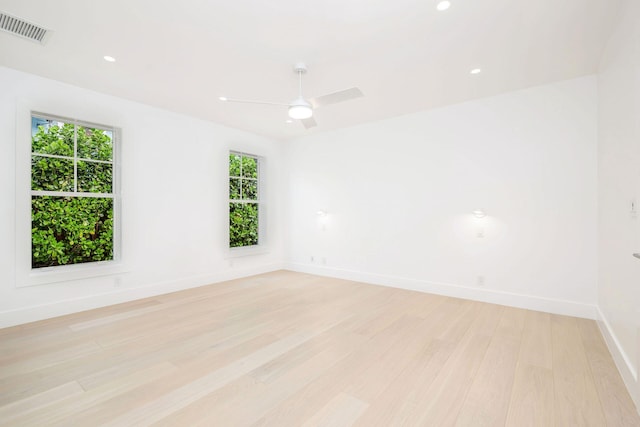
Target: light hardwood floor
x=289 y=349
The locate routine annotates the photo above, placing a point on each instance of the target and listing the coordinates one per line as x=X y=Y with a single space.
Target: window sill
x=247 y=251
x=64 y=273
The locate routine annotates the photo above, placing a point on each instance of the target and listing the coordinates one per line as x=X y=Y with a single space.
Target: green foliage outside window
x=243 y=224
x=73 y=228
x=243 y=195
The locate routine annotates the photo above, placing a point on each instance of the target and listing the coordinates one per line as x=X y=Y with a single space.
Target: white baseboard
x=548 y=305
x=621 y=358
x=74 y=305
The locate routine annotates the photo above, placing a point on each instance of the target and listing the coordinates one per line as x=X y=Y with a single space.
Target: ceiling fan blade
x=335 y=97
x=248 y=101
x=309 y=123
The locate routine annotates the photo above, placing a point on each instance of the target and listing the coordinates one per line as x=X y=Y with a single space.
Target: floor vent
x=22 y=28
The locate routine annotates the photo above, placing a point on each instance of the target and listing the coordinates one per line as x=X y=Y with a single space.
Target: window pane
x=51 y=174
x=51 y=137
x=234 y=188
x=70 y=230
x=249 y=167
x=95 y=177
x=234 y=164
x=243 y=224
x=250 y=189
x=96 y=144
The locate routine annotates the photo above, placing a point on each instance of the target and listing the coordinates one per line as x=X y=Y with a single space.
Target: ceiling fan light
x=300 y=112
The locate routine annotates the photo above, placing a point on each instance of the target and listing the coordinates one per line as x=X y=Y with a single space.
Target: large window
x=244 y=200
x=72 y=192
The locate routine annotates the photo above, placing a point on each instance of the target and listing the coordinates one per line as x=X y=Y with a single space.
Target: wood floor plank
x=536 y=340
x=427 y=377
x=410 y=338
x=91 y=370
x=617 y=405
x=307 y=401
x=449 y=389
x=485 y=404
x=341 y=411
x=576 y=398
x=62 y=412
x=413 y=335
x=26 y=406
x=276 y=392
x=291 y=349
x=27 y=364
x=396 y=405
x=532 y=399
x=103 y=412
x=227 y=405
x=153 y=411
x=271 y=383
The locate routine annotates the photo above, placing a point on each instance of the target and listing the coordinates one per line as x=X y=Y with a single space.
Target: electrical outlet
x=312 y=259
x=480 y=280
x=324 y=261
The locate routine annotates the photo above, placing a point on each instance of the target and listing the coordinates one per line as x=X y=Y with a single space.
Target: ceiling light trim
x=443 y=5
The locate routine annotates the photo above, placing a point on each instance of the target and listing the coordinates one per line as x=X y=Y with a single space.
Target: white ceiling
x=404 y=54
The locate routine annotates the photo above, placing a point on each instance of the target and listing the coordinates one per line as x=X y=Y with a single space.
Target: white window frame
x=261 y=247
x=26 y=275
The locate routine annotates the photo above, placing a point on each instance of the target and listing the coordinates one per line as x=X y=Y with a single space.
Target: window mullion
x=105 y=162
x=71 y=194
x=75 y=157
x=50 y=156
x=241 y=174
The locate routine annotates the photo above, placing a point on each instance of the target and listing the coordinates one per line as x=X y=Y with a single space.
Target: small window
x=244 y=200
x=72 y=192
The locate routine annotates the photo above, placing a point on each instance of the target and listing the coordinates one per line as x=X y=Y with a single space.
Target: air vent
x=22 y=28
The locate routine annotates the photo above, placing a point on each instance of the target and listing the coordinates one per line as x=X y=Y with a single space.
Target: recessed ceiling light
x=443 y=5
x=109 y=58
x=476 y=71
x=222 y=98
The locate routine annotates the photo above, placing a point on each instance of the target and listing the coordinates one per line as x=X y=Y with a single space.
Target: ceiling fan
x=301 y=108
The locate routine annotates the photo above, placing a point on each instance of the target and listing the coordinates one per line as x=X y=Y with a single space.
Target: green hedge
x=71 y=230
x=243 y=224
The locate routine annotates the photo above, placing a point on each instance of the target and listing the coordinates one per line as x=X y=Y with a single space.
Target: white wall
x=619 y=184
x=398 y=192
x=399 y=195
x=174 y=205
